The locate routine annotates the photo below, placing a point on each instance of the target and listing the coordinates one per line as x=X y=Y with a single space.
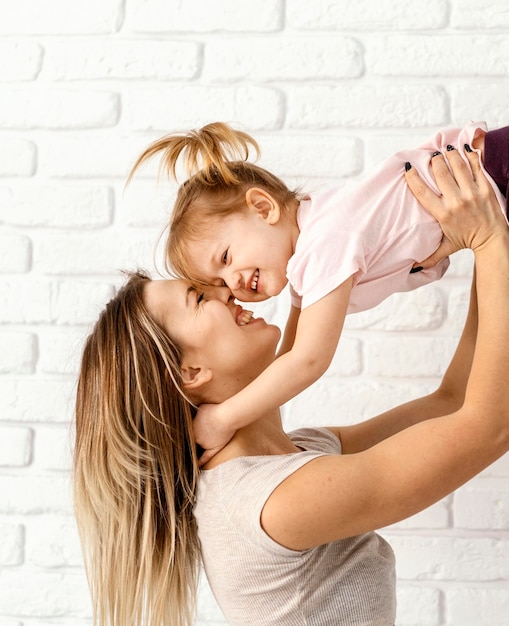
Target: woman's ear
x=264 y=204
x=195 y=377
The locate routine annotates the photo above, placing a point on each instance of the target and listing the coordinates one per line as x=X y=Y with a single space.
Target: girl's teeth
x=245 y=317
x=254 y=282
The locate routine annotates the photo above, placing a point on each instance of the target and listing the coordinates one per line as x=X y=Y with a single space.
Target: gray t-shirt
x=258 y=582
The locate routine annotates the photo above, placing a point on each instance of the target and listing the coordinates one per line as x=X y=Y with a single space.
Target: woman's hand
x=468 y=210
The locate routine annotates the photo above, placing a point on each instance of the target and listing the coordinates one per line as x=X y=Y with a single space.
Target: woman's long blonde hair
x=135 y=470
x=215 y=158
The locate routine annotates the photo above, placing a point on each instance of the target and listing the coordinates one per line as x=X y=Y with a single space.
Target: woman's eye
x=224 y=258
x=199 y=298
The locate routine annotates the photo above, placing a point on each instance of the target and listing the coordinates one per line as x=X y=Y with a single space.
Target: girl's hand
x=468 y=210
x=210 y=431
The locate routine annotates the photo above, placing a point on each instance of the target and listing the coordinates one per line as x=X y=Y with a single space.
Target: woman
x=284 y=523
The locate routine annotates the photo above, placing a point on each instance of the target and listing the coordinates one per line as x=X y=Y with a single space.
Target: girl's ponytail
x=210 y=155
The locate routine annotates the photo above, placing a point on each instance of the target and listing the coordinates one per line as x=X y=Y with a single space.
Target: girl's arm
x=337 y=496
x=448 y=398
x=318 y=331
x=290 y=331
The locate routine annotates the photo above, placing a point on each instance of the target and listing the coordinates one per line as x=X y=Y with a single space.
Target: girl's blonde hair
x=215 y=159
x=135 y=470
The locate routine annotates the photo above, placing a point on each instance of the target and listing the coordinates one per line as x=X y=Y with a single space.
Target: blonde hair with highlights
x=135 y=470
x=215 y=159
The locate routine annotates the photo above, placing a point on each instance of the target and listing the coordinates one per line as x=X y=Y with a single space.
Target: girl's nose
x=234 y=281
x=222 y=293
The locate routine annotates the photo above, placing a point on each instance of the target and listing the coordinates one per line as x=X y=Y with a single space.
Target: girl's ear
x=264 y=204
x=195 y=377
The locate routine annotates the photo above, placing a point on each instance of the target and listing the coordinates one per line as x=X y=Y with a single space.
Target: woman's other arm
x=339 y=496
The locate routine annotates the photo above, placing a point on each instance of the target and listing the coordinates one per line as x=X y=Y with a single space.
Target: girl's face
x=248 y=251
x=212 y=331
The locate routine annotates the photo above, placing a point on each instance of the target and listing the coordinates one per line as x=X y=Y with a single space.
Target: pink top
x=375 y=232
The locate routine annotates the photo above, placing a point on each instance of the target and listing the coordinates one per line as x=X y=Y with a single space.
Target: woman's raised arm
x=333 y=497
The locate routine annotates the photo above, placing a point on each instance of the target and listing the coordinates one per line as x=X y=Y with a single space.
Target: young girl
x=234 y=223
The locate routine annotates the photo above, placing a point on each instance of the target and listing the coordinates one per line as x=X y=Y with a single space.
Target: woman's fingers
x=424 y=194
x=467 y=208
x=445 y=249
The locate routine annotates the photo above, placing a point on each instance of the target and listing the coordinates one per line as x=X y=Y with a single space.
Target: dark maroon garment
x=496 y=157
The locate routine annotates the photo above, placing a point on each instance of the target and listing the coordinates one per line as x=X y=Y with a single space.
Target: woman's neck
x=263 y=437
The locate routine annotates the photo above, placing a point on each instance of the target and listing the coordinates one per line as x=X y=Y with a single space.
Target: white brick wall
x=329 y=88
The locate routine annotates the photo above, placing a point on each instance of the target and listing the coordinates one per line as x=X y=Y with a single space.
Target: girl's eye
x=199 y=298
x=224 y=258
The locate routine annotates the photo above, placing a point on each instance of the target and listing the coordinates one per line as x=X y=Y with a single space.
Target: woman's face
x=211 y=330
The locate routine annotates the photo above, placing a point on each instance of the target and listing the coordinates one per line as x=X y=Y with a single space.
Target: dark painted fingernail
x=449 y=147
x=468 y=148
x=436 y=153
x=408 y=166
x=414 y=270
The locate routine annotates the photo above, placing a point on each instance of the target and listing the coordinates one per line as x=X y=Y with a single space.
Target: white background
x=328 y=88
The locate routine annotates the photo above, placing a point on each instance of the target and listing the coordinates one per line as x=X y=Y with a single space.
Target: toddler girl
x=237 y=224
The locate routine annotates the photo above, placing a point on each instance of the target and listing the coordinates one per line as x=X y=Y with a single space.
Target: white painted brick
x=451 y=558
x=482 y=505
x=435 y=516
x=24 y=300
x=57 y=206
x=470 y=14
x=459 y=298
x=58 y=108
x=93 y=253
x=205 y=16
x=35 y=494
x=329 y=89
x=120 y=59
x=53 y=447
x=462 y=263
x=40 y=593
x=283 y=58
x=17 y=157
x=418 y=606
x=20 y=60
x=12 y=544
x=37 y=400
x=60 y=350
x=52 y=541
x=15 y=446
x=147 y=204
x=499 y=469
x=26 y=17
x=349 y=402
x=470 y=606
x=79 y=301
x=422 y=309
x=486 y=100
x=14 y=253
x=348 y=358
x=365 y=15
x=306 y=155
x=407 y=355
x=433 y=55
x=17 y=352
x=84 y=157
x=185 y=107
x=379 y=147
x=324 y=106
